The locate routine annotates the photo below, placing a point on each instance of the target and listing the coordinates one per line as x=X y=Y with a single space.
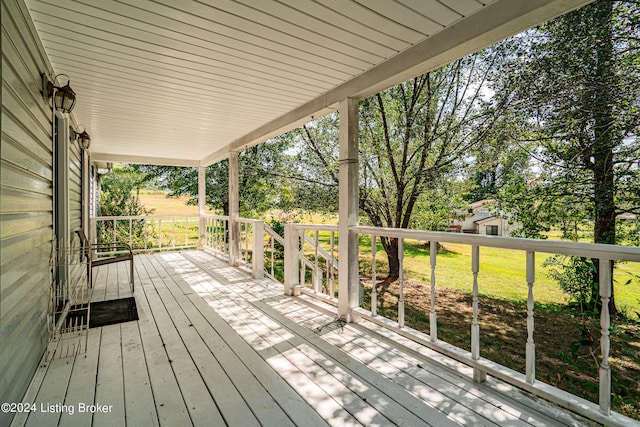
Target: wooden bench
x=105 y=253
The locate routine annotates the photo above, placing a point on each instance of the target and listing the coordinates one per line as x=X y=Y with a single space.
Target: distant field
x=164 y=205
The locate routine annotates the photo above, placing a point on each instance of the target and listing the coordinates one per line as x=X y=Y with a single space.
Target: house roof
x=485 y=219
x=186 y=82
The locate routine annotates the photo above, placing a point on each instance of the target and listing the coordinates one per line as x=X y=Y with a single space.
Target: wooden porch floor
x=214 y=347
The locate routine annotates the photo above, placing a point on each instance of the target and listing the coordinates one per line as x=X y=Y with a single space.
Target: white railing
x=316 y=254
x=251 y=245
x=148 y=233
x=310 y=262
x=311 y=248
x=606 y=254
x=244 y=249
x=215 y=236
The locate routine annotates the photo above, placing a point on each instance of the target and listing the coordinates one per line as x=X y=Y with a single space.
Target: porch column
x=61 y=199
x=202 y=206
x=348 y=280
x=234 y=209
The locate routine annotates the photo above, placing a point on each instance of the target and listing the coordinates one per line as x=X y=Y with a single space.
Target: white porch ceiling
x=185 y=82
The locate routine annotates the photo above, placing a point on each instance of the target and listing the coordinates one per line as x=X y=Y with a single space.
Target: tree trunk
x=605 y=136
x=390 y=246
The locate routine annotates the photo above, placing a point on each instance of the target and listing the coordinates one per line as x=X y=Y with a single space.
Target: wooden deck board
x=82 y=385
x=140 y=407
x=110 y=380
x=214 y=347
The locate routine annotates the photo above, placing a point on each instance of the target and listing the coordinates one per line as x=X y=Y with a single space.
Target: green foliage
x=576 y=82
x=262 y=174
x=119 y=192
x=575 y=275
x=119 y=196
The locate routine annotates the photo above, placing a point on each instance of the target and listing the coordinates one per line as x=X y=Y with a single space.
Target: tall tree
x=412 y=137
x=578 y=78
x=262 y=174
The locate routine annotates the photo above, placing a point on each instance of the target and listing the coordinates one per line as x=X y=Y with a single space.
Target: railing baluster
x=303 y=267
x=401 y=282
x=173 y=232
x=144 y=232
x=316 y=278
x=273 y=249
x=225 y=241
x=478 y=375
x=374 y=291
x=433 y=326
x=115 y=225
x=246 y=242
x=332 y=243
x=605 y=344
x=131 y=232
x=530 y=367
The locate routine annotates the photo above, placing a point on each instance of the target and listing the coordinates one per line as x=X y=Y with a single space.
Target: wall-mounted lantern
x=64 y=98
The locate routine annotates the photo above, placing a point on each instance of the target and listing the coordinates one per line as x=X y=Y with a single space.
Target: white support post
x=374 y=292
x=257 y=258
x=433 y=321
x=348 y=280
x=530 y=365
x=291 y=277
x=61 y=199
x=605 y=344
x=202 y=206
x=234 y=210
x=478 y=375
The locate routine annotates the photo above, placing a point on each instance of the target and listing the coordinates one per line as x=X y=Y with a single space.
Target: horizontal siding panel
x=18 y=363
x=22 y=179
x=19 y=129
x=20 y=157
x=15 y=304
x=16 y=201
x=22 y=73
x=19 y=224
x=16 y=246
x=20 y=272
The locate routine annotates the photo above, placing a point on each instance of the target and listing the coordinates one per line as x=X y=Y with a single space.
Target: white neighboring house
x=480 y=219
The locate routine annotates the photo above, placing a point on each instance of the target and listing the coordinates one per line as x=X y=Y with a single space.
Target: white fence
x=148 y=233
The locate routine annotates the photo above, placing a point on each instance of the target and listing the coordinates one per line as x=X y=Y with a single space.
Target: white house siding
x=482 y=225
x=25 y=204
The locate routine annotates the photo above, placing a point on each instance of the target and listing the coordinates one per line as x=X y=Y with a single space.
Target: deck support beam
x=202 y=205
x=234 y=209
x=348 y=280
